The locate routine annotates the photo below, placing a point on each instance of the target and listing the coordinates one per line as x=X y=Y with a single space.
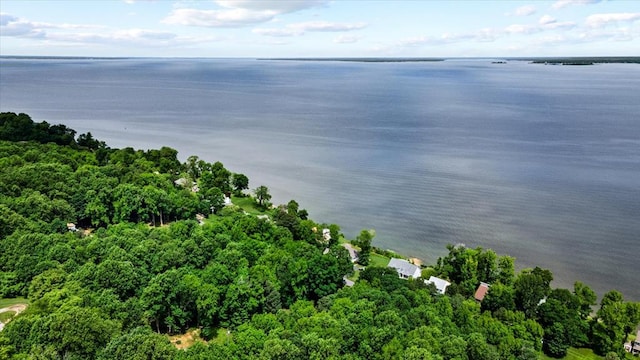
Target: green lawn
x=355 y=276
x=378 y=260
x=576 y=354
x=247 y=204
x=222 y=337
x=9 y=302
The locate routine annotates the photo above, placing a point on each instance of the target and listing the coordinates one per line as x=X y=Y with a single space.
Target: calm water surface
x=539 y=162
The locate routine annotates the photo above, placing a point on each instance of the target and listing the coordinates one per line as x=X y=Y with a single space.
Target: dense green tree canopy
x=105 y=245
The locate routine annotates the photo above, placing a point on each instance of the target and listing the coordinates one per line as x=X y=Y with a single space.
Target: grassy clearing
x=222 y=337
x=186 y=340
x=247 y=204
x=10 y=302
x=576 y=354
x=378 y=260
x=355 y=276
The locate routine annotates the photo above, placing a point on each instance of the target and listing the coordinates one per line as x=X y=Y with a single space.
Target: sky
x=320 y=28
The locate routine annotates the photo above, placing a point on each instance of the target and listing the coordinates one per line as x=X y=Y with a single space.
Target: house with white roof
x=440 y=284
x=405 y=269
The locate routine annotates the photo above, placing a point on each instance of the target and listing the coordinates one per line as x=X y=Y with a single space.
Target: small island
x=126 y=254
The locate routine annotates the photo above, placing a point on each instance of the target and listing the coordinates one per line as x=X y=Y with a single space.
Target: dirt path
x=18 y=308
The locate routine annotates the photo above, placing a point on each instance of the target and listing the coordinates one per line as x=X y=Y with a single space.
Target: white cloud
x=553 y=40
x=587 y=35
x=486 y=35
x=416 y=41
x=298 y=29
x=482 y=35
x=276 y=6
x=546 y=19
x=599 y=20
x=217 y=18
x=136 y=1
x=14 y=26
x=277 y=32
x=238 y=13
x=129 y=37
x=328 y=26
x=564 y=3
x=610 y=35
x=5 y=19
x=545 y=23
x=558 y=25
x=521 y=29
x=76 y=34
x=525 y=10
x=346 y=39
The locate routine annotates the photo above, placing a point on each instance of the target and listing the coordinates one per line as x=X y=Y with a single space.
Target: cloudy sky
x=305 y=28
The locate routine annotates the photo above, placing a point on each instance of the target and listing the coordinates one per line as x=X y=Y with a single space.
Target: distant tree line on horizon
x=141 y=267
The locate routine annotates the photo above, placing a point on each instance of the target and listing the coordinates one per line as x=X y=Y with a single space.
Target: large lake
x=539 y=162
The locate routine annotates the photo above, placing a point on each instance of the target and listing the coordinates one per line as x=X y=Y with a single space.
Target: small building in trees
x=353 y=254
x=187 y=184
x=633 y=347
x=481 y=292
x=326 y=235
x=440 y=284
x=405 y=269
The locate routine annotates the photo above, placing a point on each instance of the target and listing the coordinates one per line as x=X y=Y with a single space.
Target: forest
x=118 y=251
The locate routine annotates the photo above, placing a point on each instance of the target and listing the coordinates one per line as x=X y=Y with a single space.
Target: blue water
x=539 y=162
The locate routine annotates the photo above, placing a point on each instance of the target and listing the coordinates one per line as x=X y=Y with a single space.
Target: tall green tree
x=262 y=194
x=128 y=203
x=506 y=272
x=363 y=241
x=138 y=344
x=531 y=287
x=168 y=303
x=240 y=182
x=586 y=297
x=609 y=327
x=156 y=202
x=212 y=199
x=74 y=332
x=499 y=297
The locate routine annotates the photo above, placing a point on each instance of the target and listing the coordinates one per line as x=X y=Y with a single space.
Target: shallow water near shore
x=538 y=162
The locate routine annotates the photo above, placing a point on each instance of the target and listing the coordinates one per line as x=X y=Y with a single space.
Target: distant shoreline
x=586 y=60
x=569 y=60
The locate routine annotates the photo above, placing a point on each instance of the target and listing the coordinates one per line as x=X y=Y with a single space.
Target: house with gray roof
x=353 y=254
x=405 y=269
